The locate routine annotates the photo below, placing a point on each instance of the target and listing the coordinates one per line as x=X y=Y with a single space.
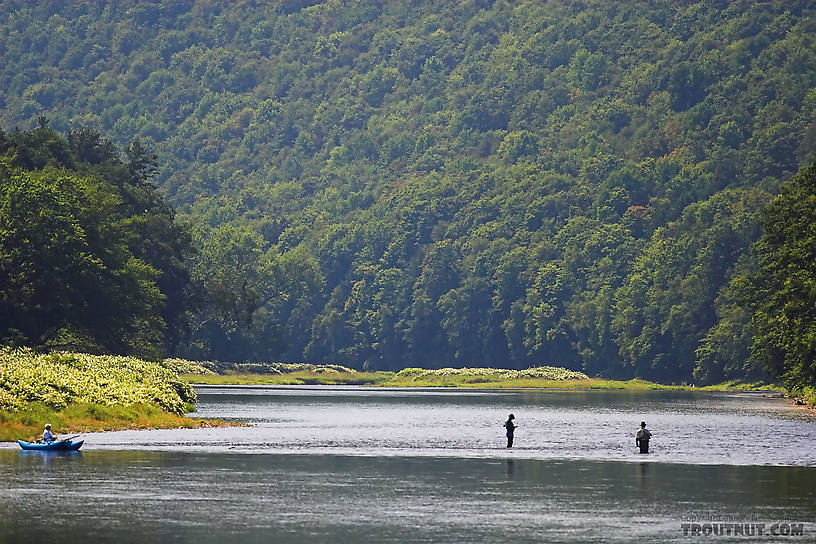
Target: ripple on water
x=693 y=428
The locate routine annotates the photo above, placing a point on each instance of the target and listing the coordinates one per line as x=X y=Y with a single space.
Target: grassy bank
x=533 y=378
x=28 y=422
x=83 y=393
x=307 y=374
x=390 y=379
x=805 y=396
x=528 y=383
x=737 y=385
x=60 y=379
x=540 y=377
x=80 y=393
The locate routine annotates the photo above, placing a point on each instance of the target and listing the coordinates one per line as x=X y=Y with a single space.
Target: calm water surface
x=374 y=465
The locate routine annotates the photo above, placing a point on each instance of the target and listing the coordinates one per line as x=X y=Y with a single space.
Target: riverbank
x=805 y=397
x=82 y=393
x=390 y=379
x=550 y=378
x=28 y=422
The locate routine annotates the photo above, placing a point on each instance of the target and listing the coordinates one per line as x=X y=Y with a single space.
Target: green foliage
x=781 y=292
x=183 y=366
x=60 y=379
x=90 y=256
x=27 y=422
x=667 y=307
x=439 y=183
x=295 y=377
x=284 y=368
x=246 y=283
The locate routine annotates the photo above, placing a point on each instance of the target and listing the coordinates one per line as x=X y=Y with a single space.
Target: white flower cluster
x=285 y=368
x=183 y=366
x=495 y=374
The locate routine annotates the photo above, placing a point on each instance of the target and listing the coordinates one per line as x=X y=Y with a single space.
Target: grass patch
x=391 y=379
x=804 y=396
x=582 y=384
x=79 y=393
x=27 y=423
x=738 y=385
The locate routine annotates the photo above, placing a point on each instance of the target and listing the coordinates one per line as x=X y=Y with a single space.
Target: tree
x=569 y=151
x=667 y=305
x=781 y=295
x=243 y=283
x=90 y=255
x=67 y=274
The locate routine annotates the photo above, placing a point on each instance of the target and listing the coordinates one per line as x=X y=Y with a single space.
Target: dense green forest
x=391 y=184
x=91 y=257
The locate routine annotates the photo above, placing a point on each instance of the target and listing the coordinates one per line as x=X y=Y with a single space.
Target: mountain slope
x=498 y=183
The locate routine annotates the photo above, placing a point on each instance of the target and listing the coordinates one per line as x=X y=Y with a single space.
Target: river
x=350 y=464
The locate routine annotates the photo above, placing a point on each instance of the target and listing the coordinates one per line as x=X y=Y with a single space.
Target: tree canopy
x=90 y=255
x=781 y=293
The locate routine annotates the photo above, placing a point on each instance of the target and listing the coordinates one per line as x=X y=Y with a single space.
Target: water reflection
x=182 y=497
x=44 y=461
x=46 y=458
x=641 y=473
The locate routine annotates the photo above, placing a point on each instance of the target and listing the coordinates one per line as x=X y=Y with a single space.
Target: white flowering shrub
x=183 y=366
x=58 y=379
x=494 y=374
x=285 y=368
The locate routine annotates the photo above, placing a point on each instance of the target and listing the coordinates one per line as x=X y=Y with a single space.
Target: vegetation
x=298 y=377
x=84 y=393
x=271 y=373
x=28 y=422
x=182 y=366
x=60 y=379
x=322 y=374
x=807 y=395
x=538 y=378
x=491 y=374
x=780 y=294
x=91 y=258
x=284 y=368
x=386 y=184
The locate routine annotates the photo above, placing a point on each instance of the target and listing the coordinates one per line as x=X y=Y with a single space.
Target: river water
x=348 y=464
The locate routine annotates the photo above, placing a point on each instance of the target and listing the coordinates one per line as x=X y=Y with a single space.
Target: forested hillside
x=390 y=184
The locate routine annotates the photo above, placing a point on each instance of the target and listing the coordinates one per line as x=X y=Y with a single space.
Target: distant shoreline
x=391 y=379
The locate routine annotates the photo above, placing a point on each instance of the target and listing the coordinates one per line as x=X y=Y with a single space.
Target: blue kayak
x=57 y=445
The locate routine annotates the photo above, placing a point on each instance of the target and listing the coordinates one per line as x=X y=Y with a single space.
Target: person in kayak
x=642 y=438
x=47 y=437
x=511 y=428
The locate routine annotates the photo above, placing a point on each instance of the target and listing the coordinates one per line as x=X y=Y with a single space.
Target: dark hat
x=512 y=416
x=642 y=423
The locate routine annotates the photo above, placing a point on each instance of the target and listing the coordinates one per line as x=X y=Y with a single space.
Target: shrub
x=59 y=379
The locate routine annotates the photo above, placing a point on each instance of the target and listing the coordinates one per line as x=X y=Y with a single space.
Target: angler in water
x=642 y=438
x=511 y=428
